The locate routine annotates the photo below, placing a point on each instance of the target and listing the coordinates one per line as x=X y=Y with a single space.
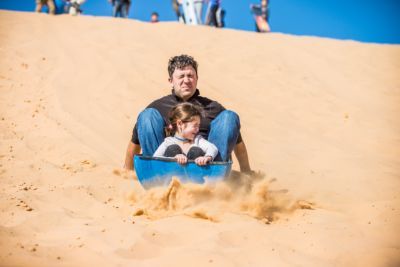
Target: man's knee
x=149 y=114
x=195 y=152
x=229 y=114
x=229 y=117
x=173 y=150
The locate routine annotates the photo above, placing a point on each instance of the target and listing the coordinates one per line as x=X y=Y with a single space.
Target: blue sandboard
x=153 y=171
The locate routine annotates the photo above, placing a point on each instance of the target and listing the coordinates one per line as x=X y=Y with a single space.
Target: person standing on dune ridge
x=49 y=3
x=120 y=8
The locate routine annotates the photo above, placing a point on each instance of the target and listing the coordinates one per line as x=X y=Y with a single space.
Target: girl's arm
x=160 y=150
x=209 y=148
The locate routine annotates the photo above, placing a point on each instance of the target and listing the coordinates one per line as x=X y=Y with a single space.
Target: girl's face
x=189 y=129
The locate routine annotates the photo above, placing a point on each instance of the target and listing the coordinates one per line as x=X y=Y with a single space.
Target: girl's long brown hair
x=184 y=112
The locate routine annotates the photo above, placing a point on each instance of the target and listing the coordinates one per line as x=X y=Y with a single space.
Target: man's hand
x=181 y=159
x=131 y=150
x=201 y=161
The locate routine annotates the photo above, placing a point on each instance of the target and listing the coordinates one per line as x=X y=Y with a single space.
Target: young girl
x=184 y=142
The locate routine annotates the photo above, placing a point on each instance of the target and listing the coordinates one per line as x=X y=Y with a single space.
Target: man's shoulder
x=207 y=102
x=168 y=99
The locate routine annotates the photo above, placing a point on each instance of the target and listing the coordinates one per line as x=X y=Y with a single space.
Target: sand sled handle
x=189 y=161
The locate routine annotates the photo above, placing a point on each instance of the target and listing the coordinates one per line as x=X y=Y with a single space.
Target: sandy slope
x=320 y=118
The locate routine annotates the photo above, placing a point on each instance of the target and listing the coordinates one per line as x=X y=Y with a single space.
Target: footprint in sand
x=24 y=205
x=78 y=167
x=88 y=164
x=232 y=239
x=26 y=187
x=163 y=239
x=108 y=200
x=305 y=205
x=141 y=250
x=125 y=174
x=202 y=215
x=117 y=172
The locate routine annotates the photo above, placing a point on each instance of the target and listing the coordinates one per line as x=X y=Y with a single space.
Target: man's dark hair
x=179 y=62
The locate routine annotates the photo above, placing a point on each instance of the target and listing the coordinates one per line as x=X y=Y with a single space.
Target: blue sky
x=361 y=20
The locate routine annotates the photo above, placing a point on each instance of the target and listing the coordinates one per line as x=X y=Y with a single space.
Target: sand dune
x=320 y=118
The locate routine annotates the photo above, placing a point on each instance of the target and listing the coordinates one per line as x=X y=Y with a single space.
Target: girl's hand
x=181 y=159
x=203 y=160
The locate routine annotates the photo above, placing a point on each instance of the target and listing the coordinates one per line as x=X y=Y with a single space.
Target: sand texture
x=320 y=118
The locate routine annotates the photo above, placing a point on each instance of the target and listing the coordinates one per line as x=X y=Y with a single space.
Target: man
x=261 y=16
x=120 y=8
x=177 y=5
x=198 y=8
x=218 y=125
x=49 y=3
x=212 y=13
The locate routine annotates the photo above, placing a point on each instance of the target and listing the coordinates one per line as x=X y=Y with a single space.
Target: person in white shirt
x=198 y=9
x=49 y=3
x=184 y=143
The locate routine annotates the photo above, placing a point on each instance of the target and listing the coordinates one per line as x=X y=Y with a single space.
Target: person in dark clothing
x=218 y=125
x=120 y=8
x=261 y=16
x=212 y=13
x=176 y=5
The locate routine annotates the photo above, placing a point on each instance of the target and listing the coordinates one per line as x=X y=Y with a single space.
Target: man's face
x=184 y=82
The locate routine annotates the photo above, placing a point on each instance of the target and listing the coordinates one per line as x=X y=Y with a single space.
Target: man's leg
x=127 y=7
x=115 y=8
x=198 y=6
x=124 y=10
x=52 y=7
x=214 y=20
x=173 y=150
x=211 y=18
x=208 y=15
x=39 y=6
x=195 y=152
x=150 y=126
x=224 y=132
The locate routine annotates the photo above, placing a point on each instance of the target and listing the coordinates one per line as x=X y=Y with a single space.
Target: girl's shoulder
x=198 y=139
x=170 y=140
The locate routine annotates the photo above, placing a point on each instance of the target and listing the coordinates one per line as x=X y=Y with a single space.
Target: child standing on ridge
x=184 y=142
x=154 y=17
x=261 y=15
x=49 y=3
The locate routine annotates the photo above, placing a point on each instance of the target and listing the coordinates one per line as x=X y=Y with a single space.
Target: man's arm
x=242 y=157
x=132 y=150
